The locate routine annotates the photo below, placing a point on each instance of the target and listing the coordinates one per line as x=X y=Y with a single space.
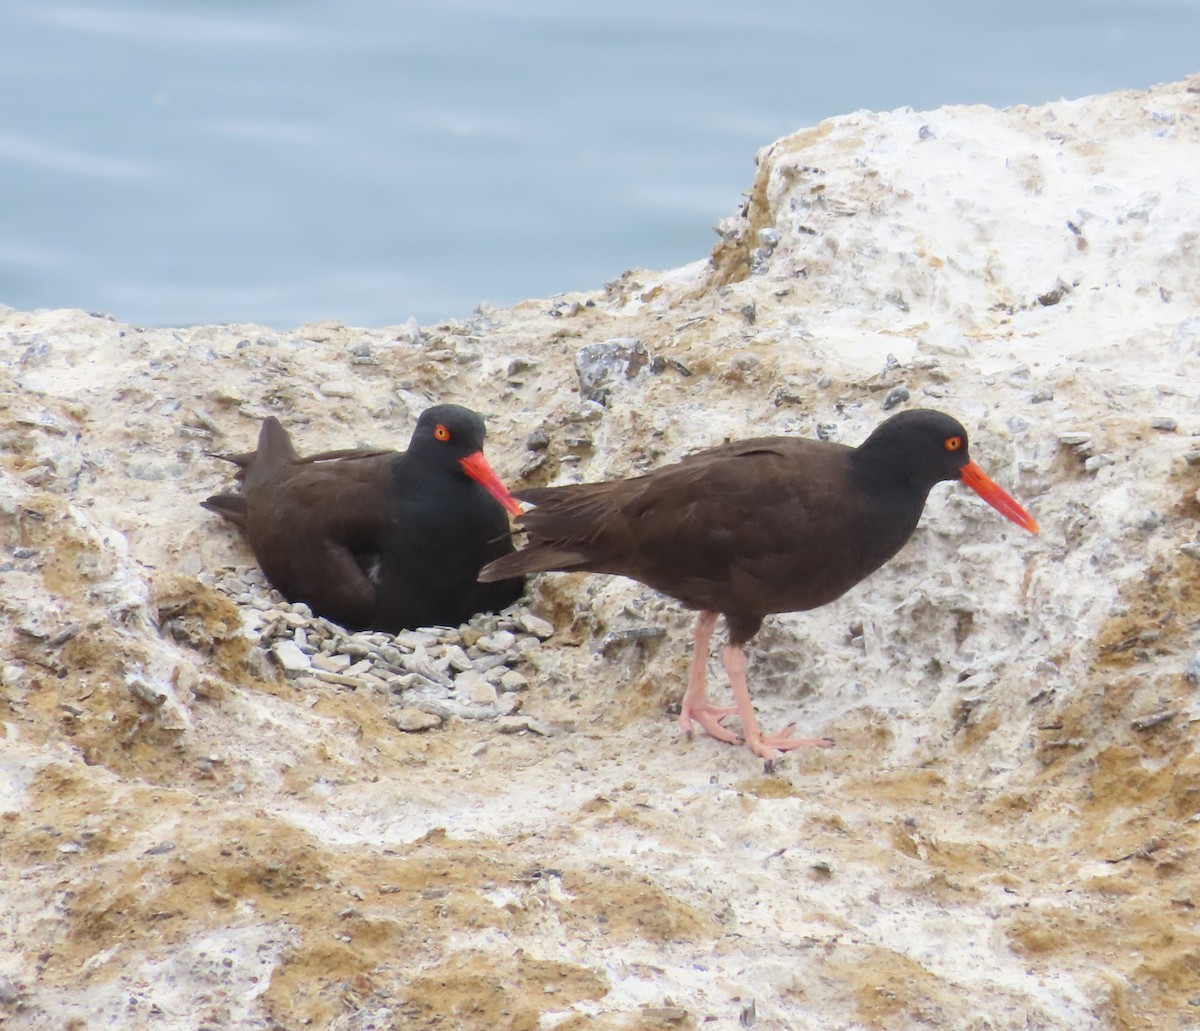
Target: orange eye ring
x=441 y=433
x=954 y=443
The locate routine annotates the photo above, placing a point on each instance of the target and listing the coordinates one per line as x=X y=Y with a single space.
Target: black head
x=912 y=451
x=922 y=447
x=447 y=434
x=450 y=437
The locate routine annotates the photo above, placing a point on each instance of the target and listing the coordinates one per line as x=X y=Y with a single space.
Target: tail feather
x=274 y=451
x=229 y=506
x=563 y=531
x=536 y=558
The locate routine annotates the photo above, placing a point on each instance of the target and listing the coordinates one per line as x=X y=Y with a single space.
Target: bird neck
x=883 y=474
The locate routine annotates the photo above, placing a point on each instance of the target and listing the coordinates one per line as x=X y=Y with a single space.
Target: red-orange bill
x=476 y=467
x=978 y=481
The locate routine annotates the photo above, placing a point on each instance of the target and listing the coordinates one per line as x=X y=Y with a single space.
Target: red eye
x=441 y=433
x=952 y=443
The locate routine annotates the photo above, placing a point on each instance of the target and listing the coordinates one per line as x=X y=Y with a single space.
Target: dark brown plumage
x=774 y=524
x=379 y=539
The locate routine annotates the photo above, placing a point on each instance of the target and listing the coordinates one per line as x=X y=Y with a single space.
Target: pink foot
x=695 y=705
x=768 y=746
x=709 y=717
x=765 y=747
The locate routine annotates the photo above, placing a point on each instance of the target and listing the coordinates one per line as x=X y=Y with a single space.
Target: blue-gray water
x=370 y=160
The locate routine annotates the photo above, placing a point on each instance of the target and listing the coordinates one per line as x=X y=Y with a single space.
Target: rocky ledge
x=218 y=811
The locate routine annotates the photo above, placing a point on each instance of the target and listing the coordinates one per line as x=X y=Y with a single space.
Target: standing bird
x=773 y=524
x=384 y=540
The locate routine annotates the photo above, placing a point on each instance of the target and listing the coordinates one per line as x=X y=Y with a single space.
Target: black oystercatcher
x=379 y=539
x=774 y=524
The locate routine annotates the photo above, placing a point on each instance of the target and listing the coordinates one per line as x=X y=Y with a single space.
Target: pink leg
x=695 y=704
x=764 y=747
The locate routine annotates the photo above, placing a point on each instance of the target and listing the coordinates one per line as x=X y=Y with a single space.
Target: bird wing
x=725 y=529
x=318 y=529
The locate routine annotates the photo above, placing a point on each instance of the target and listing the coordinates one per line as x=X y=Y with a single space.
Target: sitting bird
x=380 y=540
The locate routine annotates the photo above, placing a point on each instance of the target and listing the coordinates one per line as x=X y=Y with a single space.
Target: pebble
x=517 y=366
x=210 y=688
x=414 y=720
x=512 y=680
x=787 y=394
x=292 y=619
x=483 y=693
x=1192 y=458
x=446 y=708
x=388 y=669
x=410 y=639
x=400 y=684
x=524 y=646
x=1154 y=720
x=331 y=663
x=458 y=659
x=290 y=657
x=1167 y=425
x=418 y=662
x=389 y=654
x=28 y=627
x=1098 y=462
x=336 y=388
x=465 y=682
x=67 y=633
x=636 y=633
x=10 y=995
x=604 y=366
x=1073 y=438
x=828 y=431
x=1191 y=672
x=497 y=643
x=428 y=675
x=516 y=724
x=537 y=626
x=13 y=675
x=143 y=692
x=493 y=675
x=508 y=704
x=1191 y=550
x=340 y=679
x=769 y=237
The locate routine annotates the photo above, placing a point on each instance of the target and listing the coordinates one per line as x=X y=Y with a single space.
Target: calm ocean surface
x=371 y=160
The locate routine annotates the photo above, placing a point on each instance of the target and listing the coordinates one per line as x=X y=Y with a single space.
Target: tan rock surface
x=1004 y=836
